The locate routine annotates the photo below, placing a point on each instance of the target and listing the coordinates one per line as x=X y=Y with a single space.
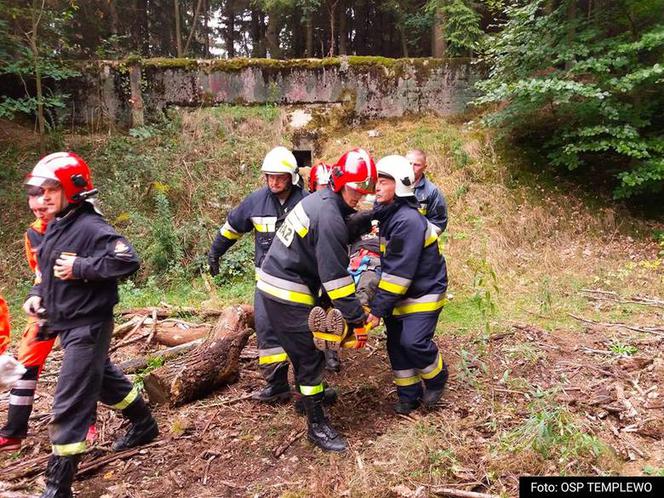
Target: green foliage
x=552 y=432
x=154 y=362
x=30 y=48
x=462 y=31
x=584 y=89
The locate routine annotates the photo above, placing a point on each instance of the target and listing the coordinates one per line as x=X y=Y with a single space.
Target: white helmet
x=280 y=160
x=399 y=169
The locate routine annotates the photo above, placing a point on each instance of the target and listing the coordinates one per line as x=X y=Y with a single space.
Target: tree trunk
x=206 y=22
x=343 y=30
x=213 y=363
x=309 y=39
x=272 y=35
x=439 y=46
x=229 y=32
x=197 y=12
x=37 y=10
x=332 y=6
x=178 y=36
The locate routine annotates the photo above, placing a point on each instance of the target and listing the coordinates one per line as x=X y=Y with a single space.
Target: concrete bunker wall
x=131 y=91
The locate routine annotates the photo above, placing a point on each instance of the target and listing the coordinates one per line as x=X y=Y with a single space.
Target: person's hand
x=373 y=321
x=32 y=305
x=64 y=266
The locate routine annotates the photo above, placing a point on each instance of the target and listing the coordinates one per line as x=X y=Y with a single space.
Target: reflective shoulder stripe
x=127 y=400
x=271 y=355
x=229 y=232
x=264 y=223
x=432 y=370
x=431 y=235
x=394 y=284
x=286 y=295
x=300 y=220
x=405 y=378
x=340 y=287
x=423 y=209
x=430 y=302
x=20 y=400
x=311 y=390
x=69 y=449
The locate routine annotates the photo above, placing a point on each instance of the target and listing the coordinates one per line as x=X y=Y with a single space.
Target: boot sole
x=317 y=323
x=336 y=325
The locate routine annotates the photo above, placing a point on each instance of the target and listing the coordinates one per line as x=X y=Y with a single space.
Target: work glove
x=32 y=306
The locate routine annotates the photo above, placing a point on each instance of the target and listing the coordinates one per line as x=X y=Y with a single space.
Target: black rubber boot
x=277 y=389
x=272 y=394
x=432 y=396
x=143 y=428
x=320 y=432
x=403 y=407
x=330 y=396
x=332 y=361
x=60 y=473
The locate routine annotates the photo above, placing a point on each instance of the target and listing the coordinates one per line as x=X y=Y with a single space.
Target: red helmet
x=319 y=175
x=357 y=169
x=67 y=169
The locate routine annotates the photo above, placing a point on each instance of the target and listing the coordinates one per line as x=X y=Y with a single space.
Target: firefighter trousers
x=289 y=322
x=32 y=354
x=272 y=357
x=86 y=376
x=414 y=356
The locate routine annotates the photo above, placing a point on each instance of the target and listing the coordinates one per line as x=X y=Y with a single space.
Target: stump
x=215 y=362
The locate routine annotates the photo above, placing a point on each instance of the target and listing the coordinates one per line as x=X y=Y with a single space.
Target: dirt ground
x=227 y=445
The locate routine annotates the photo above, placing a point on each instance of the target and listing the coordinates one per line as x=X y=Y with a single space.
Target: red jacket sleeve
x=4 y=325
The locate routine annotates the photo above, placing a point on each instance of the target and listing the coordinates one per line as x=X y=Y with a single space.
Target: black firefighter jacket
x=310 y=251
x=260 y=211
x=414 y=274
x=102 y=257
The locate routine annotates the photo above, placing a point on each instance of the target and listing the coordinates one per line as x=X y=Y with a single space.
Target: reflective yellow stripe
x=432 y=234
x=128 y=400
x=273 y=358
x=311 y=390
x=324 y=336
x=69 y=449
x=299 y=220
x=230 y=235
x=344 y=291
x=392 y=287
x=229 y=232
x=286 y=295
x=407 y=381
x=264 y=223
x=430 y=239
x=434 y=371
x=418 y=307
x=423 y=211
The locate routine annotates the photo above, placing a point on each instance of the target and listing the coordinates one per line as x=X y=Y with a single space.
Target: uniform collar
x=420 y=184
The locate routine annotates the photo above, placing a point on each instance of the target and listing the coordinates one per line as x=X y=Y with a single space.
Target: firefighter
x=81 y=259
x=319 y=178
x=431 y=201
x=264 y=211
x=310 y=250
x=412 y=287
x=32 y=353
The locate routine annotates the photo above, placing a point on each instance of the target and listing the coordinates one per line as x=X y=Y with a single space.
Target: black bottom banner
x=591 y=487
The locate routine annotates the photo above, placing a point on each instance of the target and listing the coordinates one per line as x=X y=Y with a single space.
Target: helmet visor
x=368 y=186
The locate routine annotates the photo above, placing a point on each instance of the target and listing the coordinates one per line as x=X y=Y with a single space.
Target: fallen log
x=135 y=364
x=171 y=312
x=176 y=333
x=215 y=362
